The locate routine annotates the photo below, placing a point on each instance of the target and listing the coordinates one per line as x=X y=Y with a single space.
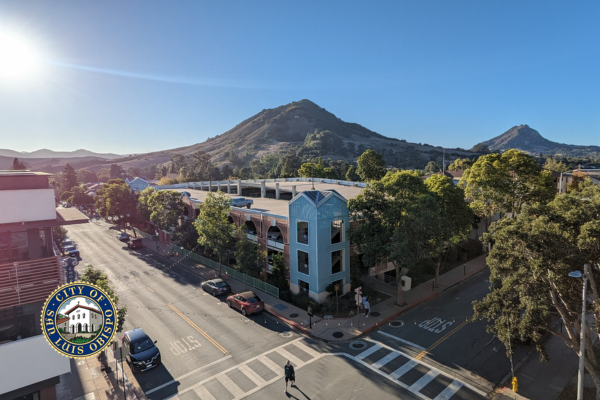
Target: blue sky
x=137 y=76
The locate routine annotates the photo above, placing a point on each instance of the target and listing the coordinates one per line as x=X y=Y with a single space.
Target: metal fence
x=240 y=276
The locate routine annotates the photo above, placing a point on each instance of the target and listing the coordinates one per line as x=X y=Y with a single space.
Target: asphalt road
x=211 y=352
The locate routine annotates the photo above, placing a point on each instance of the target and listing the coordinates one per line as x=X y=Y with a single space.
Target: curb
x=287 y=321
x=405 y=309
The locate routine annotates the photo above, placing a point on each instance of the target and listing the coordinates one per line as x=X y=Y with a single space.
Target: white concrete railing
x=275 y=244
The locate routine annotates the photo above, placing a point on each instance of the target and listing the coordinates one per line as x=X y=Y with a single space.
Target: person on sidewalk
x=289 y=374
x=367 y=306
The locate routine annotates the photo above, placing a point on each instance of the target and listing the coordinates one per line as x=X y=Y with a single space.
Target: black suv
x=141 y=352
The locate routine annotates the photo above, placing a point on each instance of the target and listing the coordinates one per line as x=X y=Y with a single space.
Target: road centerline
x=196 y=327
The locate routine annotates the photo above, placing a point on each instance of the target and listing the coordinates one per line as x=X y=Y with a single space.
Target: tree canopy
x=18 y=165
x=371 y=166
x=115 y=199
x=394 y=219
x=214 y=229
x=161 y=207
x=100 y=279
x=69 y=178
x=504 y=183
x=531 y=257
x=316 y=170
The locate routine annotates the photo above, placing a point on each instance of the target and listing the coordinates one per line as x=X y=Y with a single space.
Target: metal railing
x=240 y=276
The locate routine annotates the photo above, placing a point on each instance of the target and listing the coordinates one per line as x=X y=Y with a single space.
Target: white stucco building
x=81 y=319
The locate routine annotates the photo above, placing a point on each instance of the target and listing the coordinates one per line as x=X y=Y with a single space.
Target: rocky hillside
x=301 y=127
x=305 y=128
x=524 y=138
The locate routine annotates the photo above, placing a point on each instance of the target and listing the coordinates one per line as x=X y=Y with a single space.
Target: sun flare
x=19 y=58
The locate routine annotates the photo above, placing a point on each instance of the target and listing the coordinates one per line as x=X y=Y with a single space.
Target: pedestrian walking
x=367 y=306
x=289 y=374
x=363 y=301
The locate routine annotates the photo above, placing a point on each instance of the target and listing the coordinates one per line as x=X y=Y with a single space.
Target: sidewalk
x=337 y=329
x=87 y=381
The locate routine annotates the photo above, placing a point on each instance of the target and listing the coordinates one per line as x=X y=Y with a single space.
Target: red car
x=246 y=302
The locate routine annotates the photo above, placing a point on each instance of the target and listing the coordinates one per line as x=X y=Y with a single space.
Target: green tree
x=186 y=235
x=432 y=167
x=100 y=279
x=77 y=197
x=290 y=164
x=351 y=174
x=371 y=166
x=460 y=164
x=455 y=218
x=86 y=176
x=248 y=256
x=116 y=171
x=316 y=170
x=394 y=222
x=279 y=273
x=529 y=262
x=18 y=165
x=553 y=164
x=163 y=207
x=59 y=234
x=214 y=230
x=69 y=178
x=115 y=199
x=504 y=183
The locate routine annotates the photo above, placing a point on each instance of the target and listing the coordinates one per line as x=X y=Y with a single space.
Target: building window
x=83 y=316
x=73 y=317
x=302 y=232
x=303 y=262
x=337 y=261
x=337 y=231
x=78 y=316
x=303 y=286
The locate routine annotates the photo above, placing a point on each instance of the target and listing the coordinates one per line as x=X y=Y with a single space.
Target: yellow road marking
x=128 y=270
x=119 y=262
x=196 y=327
x=138 y=279
x=453 y=331
x=150 y=289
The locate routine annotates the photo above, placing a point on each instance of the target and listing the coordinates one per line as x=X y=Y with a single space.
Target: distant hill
x=305 y=128
x=45 y=153
x=529 y=140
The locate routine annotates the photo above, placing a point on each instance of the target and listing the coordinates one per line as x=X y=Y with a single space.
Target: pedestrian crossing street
x=423 y=380
x=254 y=374
x=417 y=377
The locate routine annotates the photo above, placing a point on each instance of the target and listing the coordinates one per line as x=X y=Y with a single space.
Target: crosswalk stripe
x=307 y=349
x=271 y=365
x=423 y=381
x=403 y=369
x=289 y=356
x=368 y=352
x=385 y=360
x=447 y=393
x=230 y=385
x=253 y=376
x=203 y=393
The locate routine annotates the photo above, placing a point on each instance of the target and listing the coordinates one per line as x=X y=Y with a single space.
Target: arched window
x=73 y=317
x=83 y=315
x=78 y=316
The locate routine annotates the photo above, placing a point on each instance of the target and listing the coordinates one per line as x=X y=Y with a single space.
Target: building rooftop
x=270 y=205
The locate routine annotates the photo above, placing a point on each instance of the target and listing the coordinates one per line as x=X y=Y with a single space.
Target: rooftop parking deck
x=269 y=204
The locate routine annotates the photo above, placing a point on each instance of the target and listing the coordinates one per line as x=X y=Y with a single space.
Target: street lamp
x=585 y=275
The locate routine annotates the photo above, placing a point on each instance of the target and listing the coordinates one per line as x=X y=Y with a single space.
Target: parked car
x=123 y=237
x=71 y=251
x=136 y=243
x=275 y=236
x=241 y=202
x=246 y=302
x=68 y=242
x=141 y=352
x=216 y=287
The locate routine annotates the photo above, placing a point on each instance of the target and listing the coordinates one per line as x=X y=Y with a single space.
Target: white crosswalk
x=418 y=385
x=289 y=351
x=201 y=389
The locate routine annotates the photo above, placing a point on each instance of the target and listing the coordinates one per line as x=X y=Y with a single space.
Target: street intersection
x=210 y=351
